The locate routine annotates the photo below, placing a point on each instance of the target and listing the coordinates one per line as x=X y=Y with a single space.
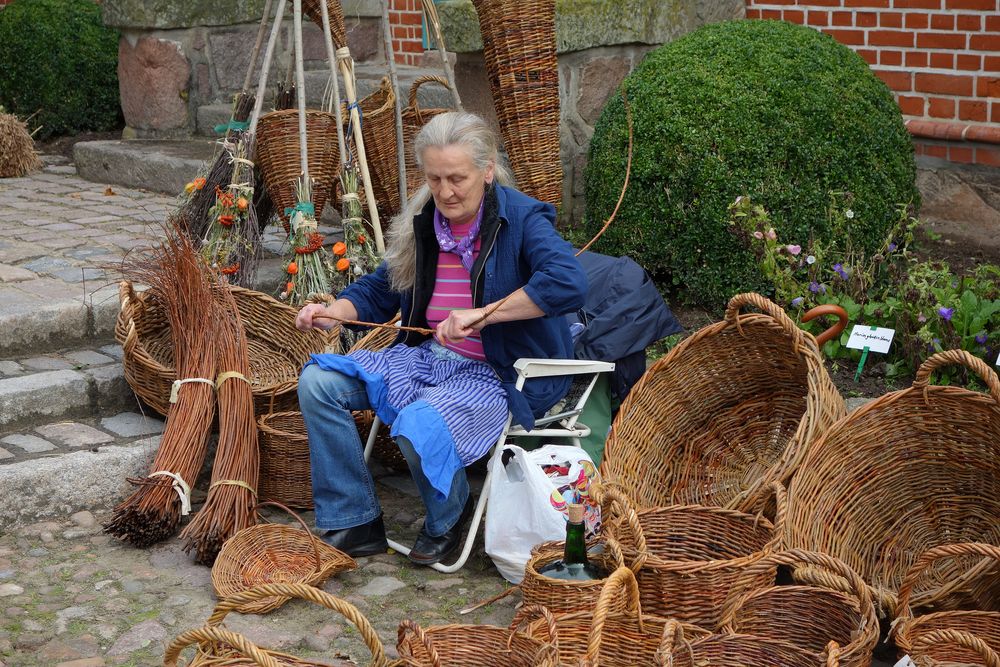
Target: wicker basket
x=414 y=118
x=477 y=645
x=928 y=639
x=562 y=595
x=677 y=650
x=808 y=617
x=378 y=127
x=615 y=634
x=271 y=553
x=278 y=156
x=729 y=410
x=217 y=646
x=277 y=350
x=519 y=47
x=335 y=12
x=909 y=471
x=688 y=557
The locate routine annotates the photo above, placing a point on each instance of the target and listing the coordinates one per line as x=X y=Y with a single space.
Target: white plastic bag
x=527 y=506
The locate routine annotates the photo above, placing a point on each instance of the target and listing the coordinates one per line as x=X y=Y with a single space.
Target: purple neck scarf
x=446 y=239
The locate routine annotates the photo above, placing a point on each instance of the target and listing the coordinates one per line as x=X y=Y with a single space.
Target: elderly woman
x=466 y=241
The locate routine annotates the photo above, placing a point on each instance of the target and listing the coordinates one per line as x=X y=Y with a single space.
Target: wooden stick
x=300 y=83
x=375 y=325
x=394 y=81
x=268 y=56
x=432 y=17
x=331 y=55
x=257 y=44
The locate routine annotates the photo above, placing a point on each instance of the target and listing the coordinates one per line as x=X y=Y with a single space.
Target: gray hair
x=455 y=128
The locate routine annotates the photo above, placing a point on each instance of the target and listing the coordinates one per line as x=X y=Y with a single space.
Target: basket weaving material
x=271 y=553
x=809 y=617
x=563 y=595
x=278 y=156
x=218 y=647
x=909 y=471
x=477 y=645
x=929 y=639
x=277 y=350
x=727 y=412
x=615 y=634
x=677 y=650
x=519 y=47
x=414 y=118
x=688 y=557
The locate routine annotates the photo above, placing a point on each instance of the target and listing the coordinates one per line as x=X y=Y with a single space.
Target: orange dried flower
x=343 y=264
x=242 y=203
x=226 y=220
x=198 y=183
x=230 y=270
x=289 y=286
x=361 y=238
x=339 y=248
x=293 y=268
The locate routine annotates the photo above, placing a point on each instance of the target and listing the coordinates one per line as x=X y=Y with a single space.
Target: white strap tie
x=180 y=486
x=175 y=388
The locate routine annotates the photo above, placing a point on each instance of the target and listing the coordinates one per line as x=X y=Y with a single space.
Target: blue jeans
x=343 y=489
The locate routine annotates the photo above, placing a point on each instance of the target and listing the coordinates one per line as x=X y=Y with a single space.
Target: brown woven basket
x=909 y=471
x=519 y=47
x=271 y=553
x=477 y=645
x=916 y=635
x=414 y=118
x=338 y=30
x=561 y=595
x=736 y=651
x=615 y=633
x=809 y=617
x=278 y=156
x=277 y=350
x=688 y=557
x=217 y=646
x=729 y=410
x=378 y=127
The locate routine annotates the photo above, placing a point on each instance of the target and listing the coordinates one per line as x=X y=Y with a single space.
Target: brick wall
x=406 y=18
x=941 y=58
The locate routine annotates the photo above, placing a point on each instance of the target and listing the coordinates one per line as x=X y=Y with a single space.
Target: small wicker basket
x=561 y=595
x=736 y=651
x=271 y=553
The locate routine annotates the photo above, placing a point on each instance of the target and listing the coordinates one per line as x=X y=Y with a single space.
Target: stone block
x=47 y=264
x=152 y=81
x=599 y=77
x=46 y=363
x=73 y=434
x=364 y=38
x=113 y=391
x=89 y=358
x=4 y=454
x=158 y=166
x=167 y=14
x=28 y=443
x=13 y=274
x=28 y=323
x=230 y=54
x=8 y=367
x=132 y=424
x=46 y=394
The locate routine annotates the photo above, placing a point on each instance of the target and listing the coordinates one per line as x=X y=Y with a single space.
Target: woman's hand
x=325 y=316
x=459 y=325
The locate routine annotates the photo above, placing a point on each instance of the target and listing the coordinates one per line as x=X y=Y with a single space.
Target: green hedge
x=57 y=58
x=770 y=109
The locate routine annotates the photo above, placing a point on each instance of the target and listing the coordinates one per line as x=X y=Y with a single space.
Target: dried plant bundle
x=17 y=148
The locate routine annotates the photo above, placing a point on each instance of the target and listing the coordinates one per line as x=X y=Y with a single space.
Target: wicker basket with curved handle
x=676 y=650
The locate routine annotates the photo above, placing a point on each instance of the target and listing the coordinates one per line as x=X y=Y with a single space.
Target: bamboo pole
x=268 y=55
x=300 y=93
x=331 y=56
x=435 y=21
x=394 y=81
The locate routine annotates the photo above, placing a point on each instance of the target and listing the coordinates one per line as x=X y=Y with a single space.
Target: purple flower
x=793 y=249
x=892 y=247
x=937 y=342
x=840 y=270
x=981 y=338
x=921 y=318
x=771 y=234
x=797 y=301
x=758 y=235
x=814 y=287
x=946 y=313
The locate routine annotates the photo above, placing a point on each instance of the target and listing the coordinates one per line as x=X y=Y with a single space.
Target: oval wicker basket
x=736 y=651
x=478 y=645
x=271 y=553
x=561 y=595
x=217 y=646
x=909 y=471
x=809 y=617
x=688 y=557
x=729 y=410
x=277 y=350
x=616 y=633
x=929 y=639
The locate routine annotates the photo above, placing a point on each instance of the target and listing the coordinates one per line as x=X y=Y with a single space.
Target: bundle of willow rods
x=175 y=273
x=232 y=495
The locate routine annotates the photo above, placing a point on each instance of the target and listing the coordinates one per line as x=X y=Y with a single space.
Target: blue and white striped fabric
x=450 y=407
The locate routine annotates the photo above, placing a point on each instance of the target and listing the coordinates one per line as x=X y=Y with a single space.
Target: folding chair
x=562 y=424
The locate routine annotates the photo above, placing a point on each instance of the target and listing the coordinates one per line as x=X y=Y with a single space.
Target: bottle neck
x=576 y=546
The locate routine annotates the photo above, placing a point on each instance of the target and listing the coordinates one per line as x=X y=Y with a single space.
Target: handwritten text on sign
x=876 y=340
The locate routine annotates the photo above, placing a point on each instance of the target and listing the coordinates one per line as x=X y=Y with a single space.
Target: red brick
x=943 y=84
x=911 y=106
x=753 y=13
x=890 y=20
x=818 y=18
x=870 y=56
x=943 y=21
x=988 y=86
x=936 y=151
x=850 y=37
x=916 y=59
x=413 y=47
x=984 y=42
x=941 y=40
x=941 y=107
x=412 y=19
x=866 y=3
x=890 y=58
x=943 y=60
x=917 y=21
x=781 y=2
x=988 y=156
x=961 y=154
x=842 y=18
x=865 y=19
x=974 y=110
x=981 y=5
x=917 y=4
x=995 y=112
x=399 y=31
x=993 y=23
x=824 y=3
x=970 y=22
x=771 y=14
x=901 y=81
x=793 y=16
x=969 y=62
x=991 y=63
x=890 y=38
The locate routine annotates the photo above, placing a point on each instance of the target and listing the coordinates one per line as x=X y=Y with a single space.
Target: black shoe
x=364 y=540
x=428 y=550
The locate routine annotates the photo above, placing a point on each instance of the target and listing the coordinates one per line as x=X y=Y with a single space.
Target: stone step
x=66 y=315
x=158 y=166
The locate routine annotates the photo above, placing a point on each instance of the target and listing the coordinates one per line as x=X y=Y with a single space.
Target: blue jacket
x=519 y=248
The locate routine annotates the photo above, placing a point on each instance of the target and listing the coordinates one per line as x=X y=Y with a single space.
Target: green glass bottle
x=574 y=564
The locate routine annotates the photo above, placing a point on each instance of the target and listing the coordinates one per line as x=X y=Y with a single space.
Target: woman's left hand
x=459 y=325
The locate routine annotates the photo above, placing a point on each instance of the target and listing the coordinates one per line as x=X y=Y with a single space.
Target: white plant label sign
x=877 y=339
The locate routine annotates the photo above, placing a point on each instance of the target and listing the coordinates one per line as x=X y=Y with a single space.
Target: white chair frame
x=565 y=424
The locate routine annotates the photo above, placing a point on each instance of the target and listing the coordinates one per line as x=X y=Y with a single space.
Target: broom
x=17 y=148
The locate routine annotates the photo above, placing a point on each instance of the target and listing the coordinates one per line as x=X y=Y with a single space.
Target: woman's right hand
x=325 y=316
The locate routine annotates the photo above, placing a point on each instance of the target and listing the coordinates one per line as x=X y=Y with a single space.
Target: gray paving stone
x=8 y=367
x=114 y=350
x=132 y=424
x=31 y=323
x=79 y=274
x=44 y=394
x=4 y=454
x=13 y=274
x=74 y=434
x=31 y=444
x=89 y=358
x=46 y=363
x=47 y=264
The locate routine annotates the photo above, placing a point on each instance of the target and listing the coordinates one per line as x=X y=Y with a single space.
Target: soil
x=954 y=252
x=64 y=145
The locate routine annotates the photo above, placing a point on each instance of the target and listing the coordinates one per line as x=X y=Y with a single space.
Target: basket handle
x=312 y=594
x=673 y=634
x=621 y=581
x=904 y=614
x=769 y=308
x=210 y=633
x=832 y=653
x=409 y=627
x=313 y=539
x=411 y=101
x=617 y=500
x=526 y=614
x=958 y=358
x=961 y=638
x=836 y=329
x=742 y=591
x=128 y=302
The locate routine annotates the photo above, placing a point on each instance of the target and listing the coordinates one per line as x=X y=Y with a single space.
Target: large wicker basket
x=688 y=557
x=217 y=646
x=677 y=650
x=338 y=29
x=277 y=350
x=414 y=118
x=727 y=412
x=809 y=617
x=909 y=471
x=929 y=639
x=519 y=46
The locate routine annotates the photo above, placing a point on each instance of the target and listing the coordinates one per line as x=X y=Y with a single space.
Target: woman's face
x=456 y=184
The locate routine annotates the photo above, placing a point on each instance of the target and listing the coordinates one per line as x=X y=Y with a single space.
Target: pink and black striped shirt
x=453 y=291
